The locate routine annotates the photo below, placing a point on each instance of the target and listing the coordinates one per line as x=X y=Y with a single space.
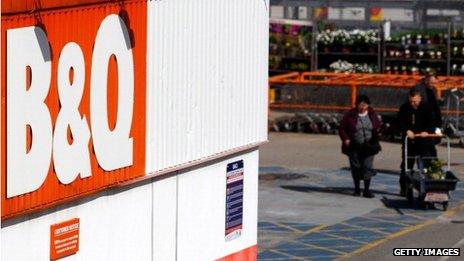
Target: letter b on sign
x=26 y=171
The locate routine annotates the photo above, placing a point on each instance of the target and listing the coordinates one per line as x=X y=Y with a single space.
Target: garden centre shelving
x=289 y=46
x=456 y=51
x=353 y=51
x=416 y=53
x=410 y=53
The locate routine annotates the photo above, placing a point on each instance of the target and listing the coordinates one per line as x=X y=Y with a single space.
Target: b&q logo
x=75 y=104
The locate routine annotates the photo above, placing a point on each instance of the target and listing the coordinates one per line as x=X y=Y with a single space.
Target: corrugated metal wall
x=16 y=6
x=207 y=78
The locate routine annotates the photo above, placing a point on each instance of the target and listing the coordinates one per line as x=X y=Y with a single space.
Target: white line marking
x=458 y=244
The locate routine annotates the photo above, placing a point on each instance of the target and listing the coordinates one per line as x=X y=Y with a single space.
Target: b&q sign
x=73 y=121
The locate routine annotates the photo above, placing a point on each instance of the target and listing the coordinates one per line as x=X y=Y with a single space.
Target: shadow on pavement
x=383 y=171
x=347 y=191
x=399 y=204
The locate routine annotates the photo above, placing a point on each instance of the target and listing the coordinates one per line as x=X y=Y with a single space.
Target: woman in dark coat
x=359 y=132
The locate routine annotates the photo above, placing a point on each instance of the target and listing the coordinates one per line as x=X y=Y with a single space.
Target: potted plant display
x=434 y=171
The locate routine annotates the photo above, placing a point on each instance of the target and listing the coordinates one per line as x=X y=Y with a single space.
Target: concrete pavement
x=306 y=210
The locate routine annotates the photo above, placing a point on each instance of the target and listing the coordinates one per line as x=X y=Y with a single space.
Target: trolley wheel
x=425 y=206
x=445 y=206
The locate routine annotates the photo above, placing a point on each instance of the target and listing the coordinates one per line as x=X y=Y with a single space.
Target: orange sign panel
x=73 y=102
x=376 y=14
x=64 y=239
x=321 y=13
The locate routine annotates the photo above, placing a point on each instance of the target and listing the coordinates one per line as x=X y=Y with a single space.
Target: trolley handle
x=434 y=135
x=418 y=135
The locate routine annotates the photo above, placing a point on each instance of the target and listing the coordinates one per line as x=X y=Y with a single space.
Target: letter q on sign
x=29 y=47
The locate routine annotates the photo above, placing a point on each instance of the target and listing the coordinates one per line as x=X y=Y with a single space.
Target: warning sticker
x=64 y=239
x=234 y=200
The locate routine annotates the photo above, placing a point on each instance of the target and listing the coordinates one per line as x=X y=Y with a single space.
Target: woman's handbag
x=371 y=147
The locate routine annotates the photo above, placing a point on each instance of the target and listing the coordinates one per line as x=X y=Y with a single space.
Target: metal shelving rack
x=323 y=59
x=383 y=59
x=453 y=59
x=445 y=63
x=438 y=63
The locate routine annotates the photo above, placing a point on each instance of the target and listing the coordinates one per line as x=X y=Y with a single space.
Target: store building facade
x=130 y=129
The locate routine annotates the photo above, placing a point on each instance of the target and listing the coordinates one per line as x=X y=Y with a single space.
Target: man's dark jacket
x=417 y=120
x=429 y=98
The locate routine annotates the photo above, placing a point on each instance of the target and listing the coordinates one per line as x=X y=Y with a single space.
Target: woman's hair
x=413 y=92
x=362 y=98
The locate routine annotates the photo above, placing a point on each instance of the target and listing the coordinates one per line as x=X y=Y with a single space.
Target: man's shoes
x=357 y=193
x=368 y=194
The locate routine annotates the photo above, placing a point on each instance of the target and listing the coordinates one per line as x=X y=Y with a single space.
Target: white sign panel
x=398 y=14
x=349 y=13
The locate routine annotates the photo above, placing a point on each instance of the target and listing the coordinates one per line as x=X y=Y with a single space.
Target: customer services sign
x=73 y=103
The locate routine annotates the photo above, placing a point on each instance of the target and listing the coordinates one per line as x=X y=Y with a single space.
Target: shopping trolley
x=429 y=191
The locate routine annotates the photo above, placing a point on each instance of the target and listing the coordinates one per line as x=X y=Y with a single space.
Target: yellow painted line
x=285 y=254
x=365 y=228
x=460 y=207
x=389 y=237
x=316 y=229
x=322 y=248
x=345 y=229
x=449 y=213
x=286 y=227
x=345 y=238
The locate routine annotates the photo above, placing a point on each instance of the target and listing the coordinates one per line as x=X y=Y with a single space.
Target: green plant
x=434 y=171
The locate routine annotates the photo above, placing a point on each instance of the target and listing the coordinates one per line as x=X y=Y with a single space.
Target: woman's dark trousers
x=362 y=168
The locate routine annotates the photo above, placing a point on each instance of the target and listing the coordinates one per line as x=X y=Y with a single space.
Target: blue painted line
x=310 y=252
x=369 y=239
x=334 y=243
x=337 y=227
x=358 y=220
x=357 y=234
x=327 y=258
x=347 y=249
x=391 y=230
x=314 y=237
x=290 y=246
x=276 y=229
x=380 y=225
x=300 y=226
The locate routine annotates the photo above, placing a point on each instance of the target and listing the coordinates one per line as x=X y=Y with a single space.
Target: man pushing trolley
x=431 y=182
